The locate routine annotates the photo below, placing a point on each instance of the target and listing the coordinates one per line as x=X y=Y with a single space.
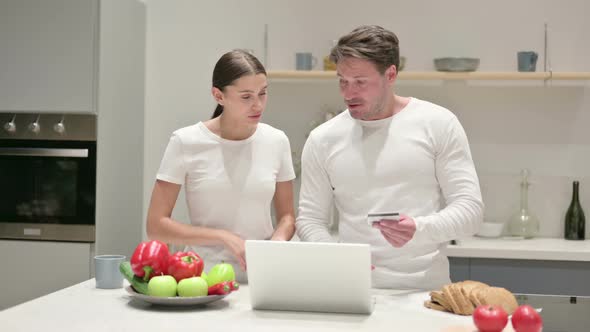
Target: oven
x=48 y=177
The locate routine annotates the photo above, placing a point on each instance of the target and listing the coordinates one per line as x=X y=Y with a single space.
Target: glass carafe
x=524 y=223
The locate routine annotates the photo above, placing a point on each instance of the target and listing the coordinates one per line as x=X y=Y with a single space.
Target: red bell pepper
x=183 y=265
x=149 y=259
x=221 y=288
x=233 y=285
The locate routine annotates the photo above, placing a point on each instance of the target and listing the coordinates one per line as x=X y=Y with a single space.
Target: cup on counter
x=490 y=229
x=527 y=61
x=106 y=271
x=304 y=61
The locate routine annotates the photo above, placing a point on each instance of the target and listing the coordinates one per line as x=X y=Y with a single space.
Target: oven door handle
x=44 y=152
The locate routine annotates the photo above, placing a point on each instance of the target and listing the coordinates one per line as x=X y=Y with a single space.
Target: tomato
x=490 y=318
x=526 y=319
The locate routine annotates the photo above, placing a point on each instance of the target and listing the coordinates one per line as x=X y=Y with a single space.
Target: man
x=388 y=153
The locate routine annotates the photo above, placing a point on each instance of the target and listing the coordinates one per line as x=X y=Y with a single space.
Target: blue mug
x=106 y=271
x=304 y=61
x=527 y=61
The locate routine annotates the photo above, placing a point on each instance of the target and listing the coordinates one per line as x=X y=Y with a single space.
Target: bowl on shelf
x=456 y=64
x=490 y=229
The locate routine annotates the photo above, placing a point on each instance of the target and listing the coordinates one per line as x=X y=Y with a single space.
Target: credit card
x=375 y=217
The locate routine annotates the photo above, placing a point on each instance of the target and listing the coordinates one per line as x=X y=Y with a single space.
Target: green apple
x=194 y=286
x=162 y=286
x=220 y=273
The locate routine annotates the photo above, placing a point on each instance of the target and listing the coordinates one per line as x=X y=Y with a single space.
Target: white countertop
x=534 y=249
x=82 y=307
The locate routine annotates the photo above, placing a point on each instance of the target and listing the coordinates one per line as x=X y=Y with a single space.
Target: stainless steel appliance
x=48 y=177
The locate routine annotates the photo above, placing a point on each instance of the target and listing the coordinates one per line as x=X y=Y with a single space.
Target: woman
x=232 y=167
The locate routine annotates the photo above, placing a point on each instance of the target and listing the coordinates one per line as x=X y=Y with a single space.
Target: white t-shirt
x=229 y=184
x=416 y=162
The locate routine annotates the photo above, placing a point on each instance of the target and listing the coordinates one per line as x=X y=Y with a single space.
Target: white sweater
x=416 y=162
x=229 y=184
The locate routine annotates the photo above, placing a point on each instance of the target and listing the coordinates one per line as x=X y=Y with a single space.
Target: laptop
x=309 y=276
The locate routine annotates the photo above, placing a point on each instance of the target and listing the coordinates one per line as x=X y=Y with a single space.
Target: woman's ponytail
x=217 y=112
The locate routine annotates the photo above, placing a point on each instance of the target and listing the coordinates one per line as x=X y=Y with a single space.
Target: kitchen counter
x=82 y=307
x=555 y=249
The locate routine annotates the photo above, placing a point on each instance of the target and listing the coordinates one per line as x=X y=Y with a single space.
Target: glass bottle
x=329 y=64
x=524 y=223
x=575 y=221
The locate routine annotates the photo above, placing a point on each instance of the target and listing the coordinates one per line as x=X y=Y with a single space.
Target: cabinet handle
x=44 y=152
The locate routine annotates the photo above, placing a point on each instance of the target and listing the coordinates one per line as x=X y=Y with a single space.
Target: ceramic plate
x=176 y=300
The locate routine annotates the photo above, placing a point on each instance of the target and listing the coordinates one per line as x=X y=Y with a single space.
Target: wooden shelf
x=435 y=75
x=570 y=76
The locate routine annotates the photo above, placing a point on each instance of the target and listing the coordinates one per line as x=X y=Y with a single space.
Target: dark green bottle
x=575 y=222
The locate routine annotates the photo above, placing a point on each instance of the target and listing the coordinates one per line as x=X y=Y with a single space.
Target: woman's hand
x=236 y=245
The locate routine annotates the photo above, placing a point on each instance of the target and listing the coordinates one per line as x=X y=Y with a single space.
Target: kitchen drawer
x=560 y=313
x=35 y=268
x=526 y=276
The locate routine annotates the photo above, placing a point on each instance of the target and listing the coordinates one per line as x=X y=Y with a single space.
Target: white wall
x=184 y=40
x=510 y=126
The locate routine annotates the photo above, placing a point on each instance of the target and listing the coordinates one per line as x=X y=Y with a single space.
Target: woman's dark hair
x=232 y=66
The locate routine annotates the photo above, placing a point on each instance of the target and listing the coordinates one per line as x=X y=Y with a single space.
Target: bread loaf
x=463 y=297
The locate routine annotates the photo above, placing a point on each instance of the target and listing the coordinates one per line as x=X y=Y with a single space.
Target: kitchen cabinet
x=119 y=68
x=35 y=268
x=526 y=276
x=48 y=55
x=534 y=266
